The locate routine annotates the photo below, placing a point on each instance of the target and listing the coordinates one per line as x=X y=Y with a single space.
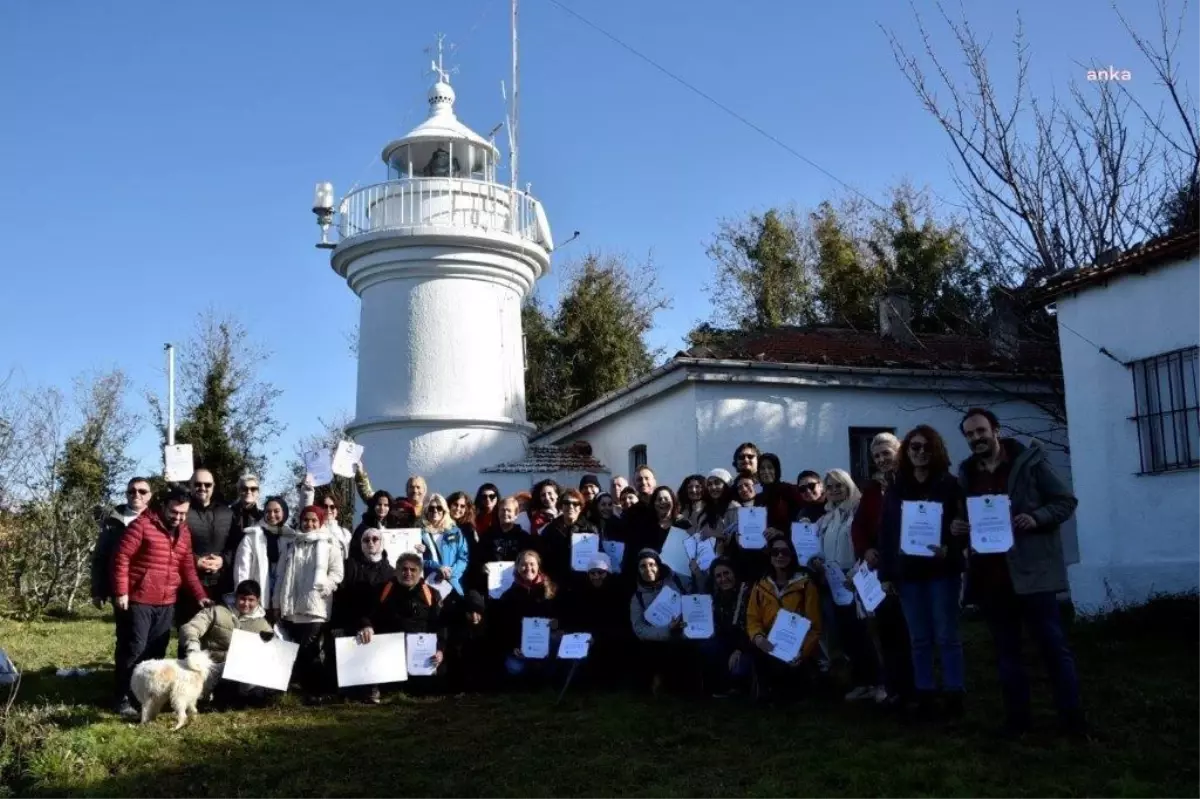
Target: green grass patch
x=1140 y=669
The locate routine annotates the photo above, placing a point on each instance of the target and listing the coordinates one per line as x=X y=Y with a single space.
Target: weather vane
x=437 y=67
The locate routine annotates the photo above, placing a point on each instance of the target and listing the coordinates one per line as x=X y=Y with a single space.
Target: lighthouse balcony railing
x=413 y=205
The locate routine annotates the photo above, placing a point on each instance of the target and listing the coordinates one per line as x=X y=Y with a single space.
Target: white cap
x=600 y=563
x=721 y=474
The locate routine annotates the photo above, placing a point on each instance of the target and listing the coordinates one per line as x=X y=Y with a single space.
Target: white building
x=1129 y=331
x=441 y=255
x=816 y=398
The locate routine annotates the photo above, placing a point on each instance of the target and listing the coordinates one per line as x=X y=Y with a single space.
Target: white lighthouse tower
x=442 y=255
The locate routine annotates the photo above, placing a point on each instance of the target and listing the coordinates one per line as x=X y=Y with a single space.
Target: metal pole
x=514 y=122
x=170 y=395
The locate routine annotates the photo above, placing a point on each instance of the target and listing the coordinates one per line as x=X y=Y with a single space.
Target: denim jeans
x=931 y=610
x=715 y=652
x=1038 y=612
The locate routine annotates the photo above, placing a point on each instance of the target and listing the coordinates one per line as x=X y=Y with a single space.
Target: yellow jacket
x=800 y=595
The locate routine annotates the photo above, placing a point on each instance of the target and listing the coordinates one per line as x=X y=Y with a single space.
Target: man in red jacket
x=152 y=562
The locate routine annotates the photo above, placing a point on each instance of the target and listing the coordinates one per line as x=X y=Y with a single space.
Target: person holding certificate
x=407 y=605
x=555 y=541
x=782 y=500
x=445 y=546
x=928 y=575
x=727 y=658
x=533 y=595
x=663 y=654
x=1018 y=586
x=786 y=586
x=599 y=606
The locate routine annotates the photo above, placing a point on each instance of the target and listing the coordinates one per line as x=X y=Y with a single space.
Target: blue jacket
x=451 y=552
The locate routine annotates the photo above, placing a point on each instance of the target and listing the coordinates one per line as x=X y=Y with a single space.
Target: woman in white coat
x=310 y=569
x=841 y=620
x=257 y=556
x=328 y=505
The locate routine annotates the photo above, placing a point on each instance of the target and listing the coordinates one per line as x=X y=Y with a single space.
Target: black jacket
x=211 y=529
x=518 y=603
x=894 y=564
x=408 y=610
x=359 y=592
x=603 y=612
x=554 y=545
x=499 y=546
x=111 y=530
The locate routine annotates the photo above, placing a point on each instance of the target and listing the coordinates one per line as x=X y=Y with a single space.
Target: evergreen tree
x=545 y=400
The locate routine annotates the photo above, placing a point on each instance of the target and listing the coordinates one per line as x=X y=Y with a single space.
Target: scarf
x=530 y=584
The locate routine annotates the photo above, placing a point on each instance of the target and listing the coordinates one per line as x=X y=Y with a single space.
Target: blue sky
x=159 y=158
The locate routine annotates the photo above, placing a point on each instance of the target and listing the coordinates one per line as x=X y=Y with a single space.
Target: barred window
x=637 y=458
x=1168 y=412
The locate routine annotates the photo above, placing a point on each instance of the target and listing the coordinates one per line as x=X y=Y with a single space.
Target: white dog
x=183 y=682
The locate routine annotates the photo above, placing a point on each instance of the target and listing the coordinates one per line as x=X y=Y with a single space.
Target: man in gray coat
x=1020 y=586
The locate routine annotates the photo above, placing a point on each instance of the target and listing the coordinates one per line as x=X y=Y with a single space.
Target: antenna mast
x=513 y=123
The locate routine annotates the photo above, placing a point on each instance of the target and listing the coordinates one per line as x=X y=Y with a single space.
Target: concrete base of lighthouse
x=448 y=453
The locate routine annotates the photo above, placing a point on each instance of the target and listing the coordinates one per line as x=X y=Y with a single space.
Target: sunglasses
x=329 y=506
x=249 y=489
x=570 y=503
x=747 y=456
x=489 y=495
x=141 y=492
x=436 y=509
x=202 y=485
x=809 y=486
x=916 y=446
x=779 y=553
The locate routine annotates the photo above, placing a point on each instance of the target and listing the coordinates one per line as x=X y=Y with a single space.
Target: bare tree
x=1053 y=185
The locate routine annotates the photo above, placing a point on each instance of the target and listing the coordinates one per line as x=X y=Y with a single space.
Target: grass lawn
x=1140 y=670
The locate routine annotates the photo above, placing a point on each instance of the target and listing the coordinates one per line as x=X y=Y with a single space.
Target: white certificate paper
x=381 y=661
x=319 y=464
x=701 y=550
x=499 y=577
x=574 y=646
x=253 y=661
x=752 y=528
x=787 y=634
x=400 y=541
x=920 y=528
x=991 y=523
x=665 y=608
x=177 y=463
x=616 y=553
x=584 y=547
x=535 y=637
x=674 y=553
x=870 y=590
x=344 y=457
x=697 y=616
x=421 y=649
x=837 y=584
x=806 y=541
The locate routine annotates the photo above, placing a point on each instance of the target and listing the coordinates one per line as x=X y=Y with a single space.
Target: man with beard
x=1020 y=586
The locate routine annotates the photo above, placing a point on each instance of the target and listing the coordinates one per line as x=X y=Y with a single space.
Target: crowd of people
x=258 y=566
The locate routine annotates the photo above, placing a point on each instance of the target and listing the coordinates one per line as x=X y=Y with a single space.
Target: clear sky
x=158 y=158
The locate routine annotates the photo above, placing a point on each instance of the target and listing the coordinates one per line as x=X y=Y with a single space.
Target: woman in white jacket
x=308 y=496
x=841 y=620
x=257 y=555
x=310 y=569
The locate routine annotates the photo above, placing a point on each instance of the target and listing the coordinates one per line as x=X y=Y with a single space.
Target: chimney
x=895 y=316
x=1002 y=326
x=1106 y=257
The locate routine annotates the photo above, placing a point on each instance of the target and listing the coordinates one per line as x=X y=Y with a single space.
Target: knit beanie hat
x=722 y=475
x=589 y=480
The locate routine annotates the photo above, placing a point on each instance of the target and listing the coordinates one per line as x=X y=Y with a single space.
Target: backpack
x=426 y=593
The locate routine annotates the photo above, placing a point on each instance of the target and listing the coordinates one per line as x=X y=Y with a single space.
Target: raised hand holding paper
x=920 y=528
x=177 y=463
x=253 y=661
x=499 y=577
x=345 y=457
x=787 y=635
x=319 y=464
x=616 y=553
x=665 y=608
x=584 y=547
x=697 y=616
x=421 y=649
x=381 y=661
x=870 y=590
x=752 y=528
x=806 y=541
x=535 y=637
x=991 y=523
x=574 y=646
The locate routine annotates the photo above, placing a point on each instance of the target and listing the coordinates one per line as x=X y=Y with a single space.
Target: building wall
x=695 y=427
x=1138 y=534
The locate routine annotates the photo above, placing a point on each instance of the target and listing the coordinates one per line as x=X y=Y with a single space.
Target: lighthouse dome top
x=441 y=146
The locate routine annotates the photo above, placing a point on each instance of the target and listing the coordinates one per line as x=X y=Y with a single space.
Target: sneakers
x=879 y=694
x=373 y=697
x=126 y=710
x=861 y=692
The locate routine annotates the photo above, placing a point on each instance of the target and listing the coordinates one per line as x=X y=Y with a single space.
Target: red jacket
x=864 y=530
x=151 y=564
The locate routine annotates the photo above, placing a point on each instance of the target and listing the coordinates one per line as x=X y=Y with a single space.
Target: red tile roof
x=549 y=460
x=845 y=347
x=1156 y=252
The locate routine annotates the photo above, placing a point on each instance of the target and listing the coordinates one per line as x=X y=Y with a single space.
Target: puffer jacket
x=212 y=629
x=451 y=551
x=310 y=569
x=111 y=530
x=152 y=564
x=1035 y=562
x=800 y=596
